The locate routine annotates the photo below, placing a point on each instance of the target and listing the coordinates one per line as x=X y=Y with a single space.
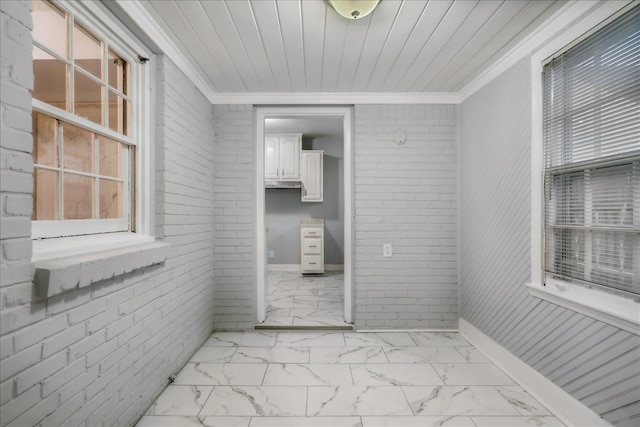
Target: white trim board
x=564 y=406
x=147 y=23
x=384 y=331
x=335 y=98
x=261 y=265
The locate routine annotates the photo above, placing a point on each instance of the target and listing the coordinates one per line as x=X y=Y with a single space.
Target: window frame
x=140 y=225
x=42 y=229
x=604 y=304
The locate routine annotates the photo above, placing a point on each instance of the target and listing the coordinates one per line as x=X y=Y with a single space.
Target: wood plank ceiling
x=418 y=46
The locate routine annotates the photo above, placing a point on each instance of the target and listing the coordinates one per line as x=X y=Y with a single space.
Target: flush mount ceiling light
x=353 y=9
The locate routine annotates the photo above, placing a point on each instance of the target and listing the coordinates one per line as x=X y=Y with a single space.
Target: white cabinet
x=312 y=246
x=311 y=175
x=282 y=157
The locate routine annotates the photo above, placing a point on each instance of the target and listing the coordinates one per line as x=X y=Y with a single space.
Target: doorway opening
x=294 y=289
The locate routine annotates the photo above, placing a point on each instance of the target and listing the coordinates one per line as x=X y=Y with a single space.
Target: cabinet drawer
x=312 y=232
x=312 y=263
x=311 y=246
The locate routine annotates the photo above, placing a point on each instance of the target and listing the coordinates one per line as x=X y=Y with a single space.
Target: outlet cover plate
x=386 y=250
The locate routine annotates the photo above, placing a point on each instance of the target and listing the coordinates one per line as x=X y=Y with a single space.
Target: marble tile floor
x=343 y=378
x=296 y=300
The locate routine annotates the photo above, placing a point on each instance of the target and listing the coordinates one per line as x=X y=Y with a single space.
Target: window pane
x=118 y=114
x=50 y=27
x=78 y=149
x=110 y=199
x=564 y=252
x=88 y=98
x=79 y=199
x=45 y=144
x=110 y=157
x=45 y=195
x=87 y=51
x=565 y=202
x=118 y=72
x=612 y=190
x=612 y=257
x=50 y=79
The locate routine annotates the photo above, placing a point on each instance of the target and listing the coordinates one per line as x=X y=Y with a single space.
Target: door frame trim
x=346 y=112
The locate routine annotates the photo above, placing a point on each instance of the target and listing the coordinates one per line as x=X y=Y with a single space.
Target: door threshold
x=305 y=328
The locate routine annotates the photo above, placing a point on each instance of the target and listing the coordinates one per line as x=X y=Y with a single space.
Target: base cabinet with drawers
x=312 y=246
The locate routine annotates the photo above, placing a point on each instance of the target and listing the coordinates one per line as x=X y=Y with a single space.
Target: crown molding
x=595 y=11
x=147 y=24
x=336 y=98
x=166 y=45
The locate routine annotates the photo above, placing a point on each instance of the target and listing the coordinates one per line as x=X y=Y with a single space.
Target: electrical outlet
x=386 y=250
x=271 y=254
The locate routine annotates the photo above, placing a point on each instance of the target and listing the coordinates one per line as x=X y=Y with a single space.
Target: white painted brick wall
x=15 y=175
x=101 y=354
x=234 y=208
x=405 y=195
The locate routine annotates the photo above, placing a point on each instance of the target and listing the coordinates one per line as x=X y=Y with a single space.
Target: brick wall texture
x=234 y=217
x=100 y=355
x=405 y=195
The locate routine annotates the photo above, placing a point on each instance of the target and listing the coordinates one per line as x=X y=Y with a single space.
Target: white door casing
x=261 y=113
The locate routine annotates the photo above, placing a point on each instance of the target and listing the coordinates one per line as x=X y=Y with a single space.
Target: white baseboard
x=565 y=407
x=384 y=331
x=296 y=267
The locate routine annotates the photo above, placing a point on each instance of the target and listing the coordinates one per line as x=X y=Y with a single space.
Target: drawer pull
x=314 y=246
x=312 y=263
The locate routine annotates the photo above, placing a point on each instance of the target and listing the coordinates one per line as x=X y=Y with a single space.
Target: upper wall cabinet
x=311 y=175
x=282 y=157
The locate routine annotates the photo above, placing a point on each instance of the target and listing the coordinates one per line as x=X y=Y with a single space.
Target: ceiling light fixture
x=353 y=9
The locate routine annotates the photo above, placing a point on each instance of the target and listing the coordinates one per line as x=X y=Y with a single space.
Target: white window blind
x=591 y=105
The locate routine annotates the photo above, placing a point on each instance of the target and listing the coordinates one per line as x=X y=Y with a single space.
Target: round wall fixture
x=401 y=138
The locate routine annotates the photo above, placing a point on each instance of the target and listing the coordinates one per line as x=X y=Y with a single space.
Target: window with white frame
x=84 y=124
x=591 y=131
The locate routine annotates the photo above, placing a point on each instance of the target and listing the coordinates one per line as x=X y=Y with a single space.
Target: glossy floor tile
x=343 y=378
x=297 y=300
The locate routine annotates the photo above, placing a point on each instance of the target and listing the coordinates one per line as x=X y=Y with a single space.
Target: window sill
x=615 y=310
x=107 y=257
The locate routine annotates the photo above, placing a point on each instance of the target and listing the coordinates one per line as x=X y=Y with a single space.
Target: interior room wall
x=405 y=195
x=284 y=210
x=591 y=360
x=234 y=217
x=101 y=354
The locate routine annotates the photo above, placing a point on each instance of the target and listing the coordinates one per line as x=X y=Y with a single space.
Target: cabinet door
x=290 y=157
x=312 y=176
x=271 y=157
